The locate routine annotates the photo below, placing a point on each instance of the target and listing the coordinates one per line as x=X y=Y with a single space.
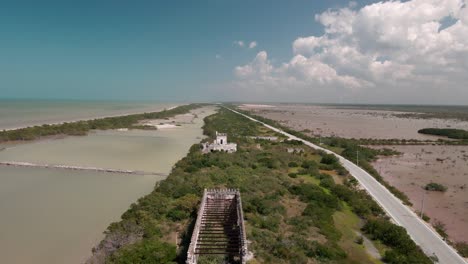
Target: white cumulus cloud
x=392 y=51
x=252 y=44
x=239 y=43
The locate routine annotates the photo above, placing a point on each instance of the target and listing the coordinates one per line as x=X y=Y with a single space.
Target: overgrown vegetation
x=462 y=248
x=440 y=228
x=288 y=219
x=349 y=149
x=445 y=132
x=81 y=128
x=436 y=187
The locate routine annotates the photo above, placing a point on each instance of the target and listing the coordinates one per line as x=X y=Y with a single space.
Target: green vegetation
x=418 y=111
x=349 y=149
x=446 y=132
x=440 y=228
x=437 y=187
x=152 y=252
x=288 y=219
x=462 y=248
x=81 y=128
x=403 y=249
x=424 y=216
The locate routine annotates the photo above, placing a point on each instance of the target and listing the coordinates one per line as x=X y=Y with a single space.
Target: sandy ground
x=351 y=123
x=173 y=122
x=419 y=166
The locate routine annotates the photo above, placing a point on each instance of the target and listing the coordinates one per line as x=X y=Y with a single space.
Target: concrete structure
x=265 y=138
x=219 y=229
x=295 y=150
x=430 y=242
x=220 y=144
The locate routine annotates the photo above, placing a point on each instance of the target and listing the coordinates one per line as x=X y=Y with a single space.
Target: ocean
x=22 y=113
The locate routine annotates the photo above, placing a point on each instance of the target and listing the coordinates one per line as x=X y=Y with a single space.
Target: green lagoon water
x=57 y=215
x=21 y=113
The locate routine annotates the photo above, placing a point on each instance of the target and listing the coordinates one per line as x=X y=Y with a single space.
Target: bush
x=329 y=159
x=404 y=250
x=462 y=248
x=307 y=164
x=293 y=164
x=440 y=228
x=424 y=216
x=148 y=251
x=446 y=132
x=360 y=240
x=436 y=187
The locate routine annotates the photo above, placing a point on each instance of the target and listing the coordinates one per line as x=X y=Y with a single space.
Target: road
x=430 y=242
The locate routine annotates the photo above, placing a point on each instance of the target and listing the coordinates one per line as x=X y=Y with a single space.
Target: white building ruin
x=220 y=144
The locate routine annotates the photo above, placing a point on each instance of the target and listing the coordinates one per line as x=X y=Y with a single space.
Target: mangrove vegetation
x=81 y=128
x=292 y=205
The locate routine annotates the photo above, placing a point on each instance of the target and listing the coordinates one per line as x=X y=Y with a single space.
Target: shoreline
x=90 y=118
x=181 y=141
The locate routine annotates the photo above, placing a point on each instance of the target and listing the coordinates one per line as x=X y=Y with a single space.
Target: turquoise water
x=22 y=113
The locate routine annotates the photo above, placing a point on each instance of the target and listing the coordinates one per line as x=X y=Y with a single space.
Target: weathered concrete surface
x=219 y=229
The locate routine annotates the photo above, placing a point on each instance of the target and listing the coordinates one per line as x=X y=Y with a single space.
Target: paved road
x=425 y=237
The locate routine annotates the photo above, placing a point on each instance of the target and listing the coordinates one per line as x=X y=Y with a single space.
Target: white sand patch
x=256 y=106
x=166 y=126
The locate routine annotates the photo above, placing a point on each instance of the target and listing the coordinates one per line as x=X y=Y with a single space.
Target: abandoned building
x=220 y=144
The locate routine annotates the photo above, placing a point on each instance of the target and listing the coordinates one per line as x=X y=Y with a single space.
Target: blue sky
x=150 y=50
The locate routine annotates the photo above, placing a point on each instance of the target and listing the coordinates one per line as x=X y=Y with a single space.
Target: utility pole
x=422 y=202
x=357 y=157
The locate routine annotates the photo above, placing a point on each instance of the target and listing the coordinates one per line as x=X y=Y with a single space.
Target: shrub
x=329 y=159
x=436 y=187
x=360 y=240
x=403 y=249
x=307 y=164
x=462 y=248
x=440 y=228
x=148 y=251
x=447 y=132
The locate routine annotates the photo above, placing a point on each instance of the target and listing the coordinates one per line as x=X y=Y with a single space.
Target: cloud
x=239 y=43
x=252 y=44
x=217 y=56
x=392 y=51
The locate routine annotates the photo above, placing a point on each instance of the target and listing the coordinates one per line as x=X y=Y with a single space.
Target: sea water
x=22 y=113
x=57 y=215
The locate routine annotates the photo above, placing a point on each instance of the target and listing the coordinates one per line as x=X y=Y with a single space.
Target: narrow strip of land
x=70 y=167
x=430 y=242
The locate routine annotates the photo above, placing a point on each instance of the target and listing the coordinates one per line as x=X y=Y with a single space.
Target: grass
x=349 y=224
x=337 y=150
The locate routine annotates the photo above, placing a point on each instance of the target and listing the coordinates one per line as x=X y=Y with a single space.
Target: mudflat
x=353 y=122
x=420 y=165
x=417 y=166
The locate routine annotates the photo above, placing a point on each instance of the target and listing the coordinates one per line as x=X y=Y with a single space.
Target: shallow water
x=22 y=113
x=57 y=215
x=148 y=150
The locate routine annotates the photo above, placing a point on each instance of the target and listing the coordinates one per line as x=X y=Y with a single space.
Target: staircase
x=219 y=229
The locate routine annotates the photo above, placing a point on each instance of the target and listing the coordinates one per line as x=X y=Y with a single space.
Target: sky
x=397 y=52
